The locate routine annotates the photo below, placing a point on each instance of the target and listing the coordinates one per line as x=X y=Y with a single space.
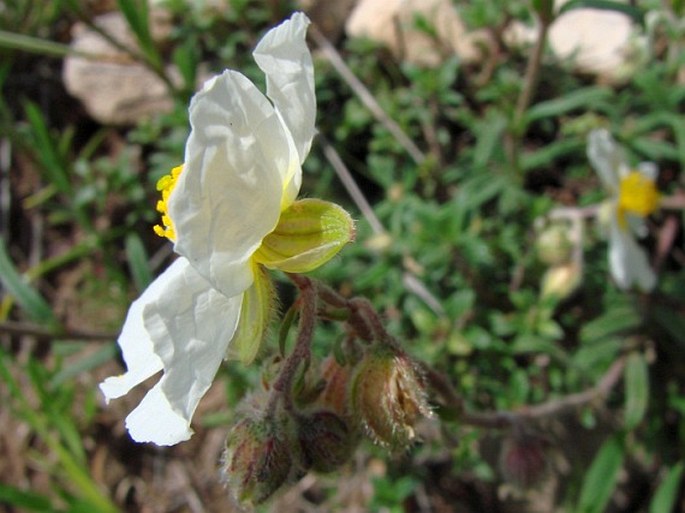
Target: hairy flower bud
x=523 y=461
x=334 y=394
x=387 y=396
x=326 y=440
x=257 y=460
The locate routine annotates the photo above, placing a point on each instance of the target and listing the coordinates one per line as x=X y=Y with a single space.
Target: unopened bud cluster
x=564 y=273
x=381 y=394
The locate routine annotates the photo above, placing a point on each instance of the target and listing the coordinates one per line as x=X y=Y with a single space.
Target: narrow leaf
x=618 y=319
x=47 y=150
x=85 y=364
x=667 y=493
x=601 y=478
x=580 y=99
x=637 y=390
x=24 y=500
x=138 y=261
x=28 y=298
x=31 y=44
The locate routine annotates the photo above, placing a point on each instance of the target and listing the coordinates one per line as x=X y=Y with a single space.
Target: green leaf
x=489 y=137
x=85 y=364
x=547 y=154
x=47 y=150
x=185 y=58
x=137 y=15
x=636 y=390
x=596 y=355
x=601 y=478
x=28 y=298
x=138 y=261
x=618 y=319
x=31 y=44
x=584 y=99
x=667 y=493
x=30 y=501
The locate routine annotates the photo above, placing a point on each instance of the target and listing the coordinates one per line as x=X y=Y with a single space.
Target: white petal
x=136 y=345
x=155 y=420
x=637 y=225
x=649 y=170
x=284 y=57
x=230 y=192
x=190 y=326
x=606 y=157
x=628 y=262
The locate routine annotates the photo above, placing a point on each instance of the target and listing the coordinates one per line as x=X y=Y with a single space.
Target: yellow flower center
x=165 y=185
x=637 y=195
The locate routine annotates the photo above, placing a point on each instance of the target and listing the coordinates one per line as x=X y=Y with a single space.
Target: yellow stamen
x=165 y=185
x=637 y=195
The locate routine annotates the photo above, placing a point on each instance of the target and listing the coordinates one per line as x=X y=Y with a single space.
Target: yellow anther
x=165 y=185
x=638 y=194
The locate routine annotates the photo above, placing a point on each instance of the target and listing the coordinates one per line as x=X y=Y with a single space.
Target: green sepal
x=309 y=233
x=255 y=315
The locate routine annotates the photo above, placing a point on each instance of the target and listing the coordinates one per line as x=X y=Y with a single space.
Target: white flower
x=634 y=197
x=241 y=172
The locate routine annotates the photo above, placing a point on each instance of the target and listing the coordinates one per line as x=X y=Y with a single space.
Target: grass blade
x=138 y=261
x=28 y=298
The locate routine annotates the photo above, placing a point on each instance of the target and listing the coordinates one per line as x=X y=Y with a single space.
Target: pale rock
x=328 y=15
x=392 y=22
x=597 y=40
x=593 y=41
x=114 y=89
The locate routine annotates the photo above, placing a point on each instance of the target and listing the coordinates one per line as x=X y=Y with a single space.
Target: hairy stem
x=302 y=350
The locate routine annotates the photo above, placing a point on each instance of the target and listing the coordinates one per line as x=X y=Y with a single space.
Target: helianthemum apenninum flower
x=633 y=197
x=231 y=212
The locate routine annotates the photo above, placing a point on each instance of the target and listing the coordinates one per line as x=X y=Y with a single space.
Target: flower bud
x=553 y=245
x=387 y=396
x=326 y=440
x=334 y=394
x=257 y=460
x=560 y=281
x=309 y=233
x=523 y=461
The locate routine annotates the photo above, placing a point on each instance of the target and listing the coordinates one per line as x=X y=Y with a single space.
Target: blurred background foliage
x=449 y=255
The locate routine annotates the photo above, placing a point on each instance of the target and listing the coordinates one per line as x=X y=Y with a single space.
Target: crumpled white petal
x=136 y=345
x=284 y=57
x=607 y=158
x=628 y=262
x=187 y=327
x=229 y=195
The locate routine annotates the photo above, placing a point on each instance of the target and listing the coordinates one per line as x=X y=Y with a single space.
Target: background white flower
x=634 y=197
x=242 y=169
